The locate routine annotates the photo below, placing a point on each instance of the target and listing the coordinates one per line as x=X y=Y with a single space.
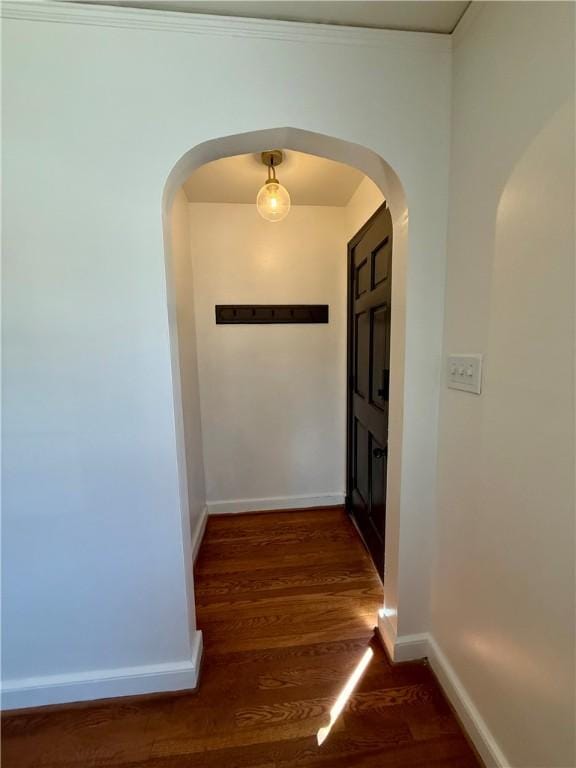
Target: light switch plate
x=465 y=373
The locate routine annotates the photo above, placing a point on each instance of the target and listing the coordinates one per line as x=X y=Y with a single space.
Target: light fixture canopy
x=273 y=200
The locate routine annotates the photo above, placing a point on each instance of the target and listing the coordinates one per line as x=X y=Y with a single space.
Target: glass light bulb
x=273 y=201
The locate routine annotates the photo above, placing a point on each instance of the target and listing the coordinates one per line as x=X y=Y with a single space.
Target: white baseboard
x=401 y=648
x=277 y=502
x=471 y=720
x=103 y=683
x=387 y=634
x=199 y=532
x=412 y=647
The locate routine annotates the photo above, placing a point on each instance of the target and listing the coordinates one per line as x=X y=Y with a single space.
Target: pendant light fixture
x=273 y=201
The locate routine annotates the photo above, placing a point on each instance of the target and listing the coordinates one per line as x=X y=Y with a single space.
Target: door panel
x=381 y=261
x=362 y=354
x=369 y=299
x=362 y=467
x=362 y=279
x=380 y=350
x=379 y=465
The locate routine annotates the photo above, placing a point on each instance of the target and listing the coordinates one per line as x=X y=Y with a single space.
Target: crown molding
x=217 y=26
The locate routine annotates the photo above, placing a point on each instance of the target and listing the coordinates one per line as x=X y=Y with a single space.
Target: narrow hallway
x=287 y=603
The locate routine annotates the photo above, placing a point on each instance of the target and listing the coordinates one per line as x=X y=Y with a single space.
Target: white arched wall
x=95 y=562
x=387 y=181
x=503 y=580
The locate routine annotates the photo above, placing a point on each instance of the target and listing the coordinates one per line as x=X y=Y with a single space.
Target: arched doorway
x=381 y=173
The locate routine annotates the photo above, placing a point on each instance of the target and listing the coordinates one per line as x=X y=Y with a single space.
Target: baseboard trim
x=387 y=635
x=104 y=683
x=471 y=720
x=411 y=648
x=237 y=506
x=404 y=647
x=199 y=533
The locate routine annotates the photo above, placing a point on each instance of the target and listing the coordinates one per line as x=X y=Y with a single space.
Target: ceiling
x=310 y=180
x=414 y=15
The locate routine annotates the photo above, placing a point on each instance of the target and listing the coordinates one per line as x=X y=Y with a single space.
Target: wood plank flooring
x=287 y=603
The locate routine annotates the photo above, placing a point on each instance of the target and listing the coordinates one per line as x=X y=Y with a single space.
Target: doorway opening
x=261 y=416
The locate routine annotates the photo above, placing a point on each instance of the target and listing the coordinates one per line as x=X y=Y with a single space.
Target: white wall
x=364 y=202
x=273 y=396
x=503 y=589
x=99 y=104
x=180 y=278
x=92 y=532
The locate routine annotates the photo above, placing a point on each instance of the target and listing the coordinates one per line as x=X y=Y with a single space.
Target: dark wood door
x=369 y=298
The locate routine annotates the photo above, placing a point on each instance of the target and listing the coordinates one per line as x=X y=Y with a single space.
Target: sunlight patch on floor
x=344 y=695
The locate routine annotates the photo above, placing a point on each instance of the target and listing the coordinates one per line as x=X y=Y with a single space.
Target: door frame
x=350 y=363
x=389 y=183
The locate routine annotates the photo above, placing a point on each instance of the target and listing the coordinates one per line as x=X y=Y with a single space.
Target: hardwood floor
x=287 y=603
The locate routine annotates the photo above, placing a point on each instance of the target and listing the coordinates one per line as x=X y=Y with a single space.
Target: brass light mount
x=271 y=159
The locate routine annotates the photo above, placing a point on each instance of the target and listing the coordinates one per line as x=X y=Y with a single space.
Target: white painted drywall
x=99 y=106
x=273 y=396
x=182 y=283
x=503 y=588
x=364 y=202
x=92 y=533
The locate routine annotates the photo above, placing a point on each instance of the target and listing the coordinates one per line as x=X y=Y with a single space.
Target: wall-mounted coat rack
x=243 y=314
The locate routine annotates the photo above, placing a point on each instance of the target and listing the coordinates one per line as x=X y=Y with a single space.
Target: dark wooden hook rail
x=242 y=314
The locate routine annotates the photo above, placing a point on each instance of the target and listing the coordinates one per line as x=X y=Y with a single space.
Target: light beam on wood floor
x=344 y=695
